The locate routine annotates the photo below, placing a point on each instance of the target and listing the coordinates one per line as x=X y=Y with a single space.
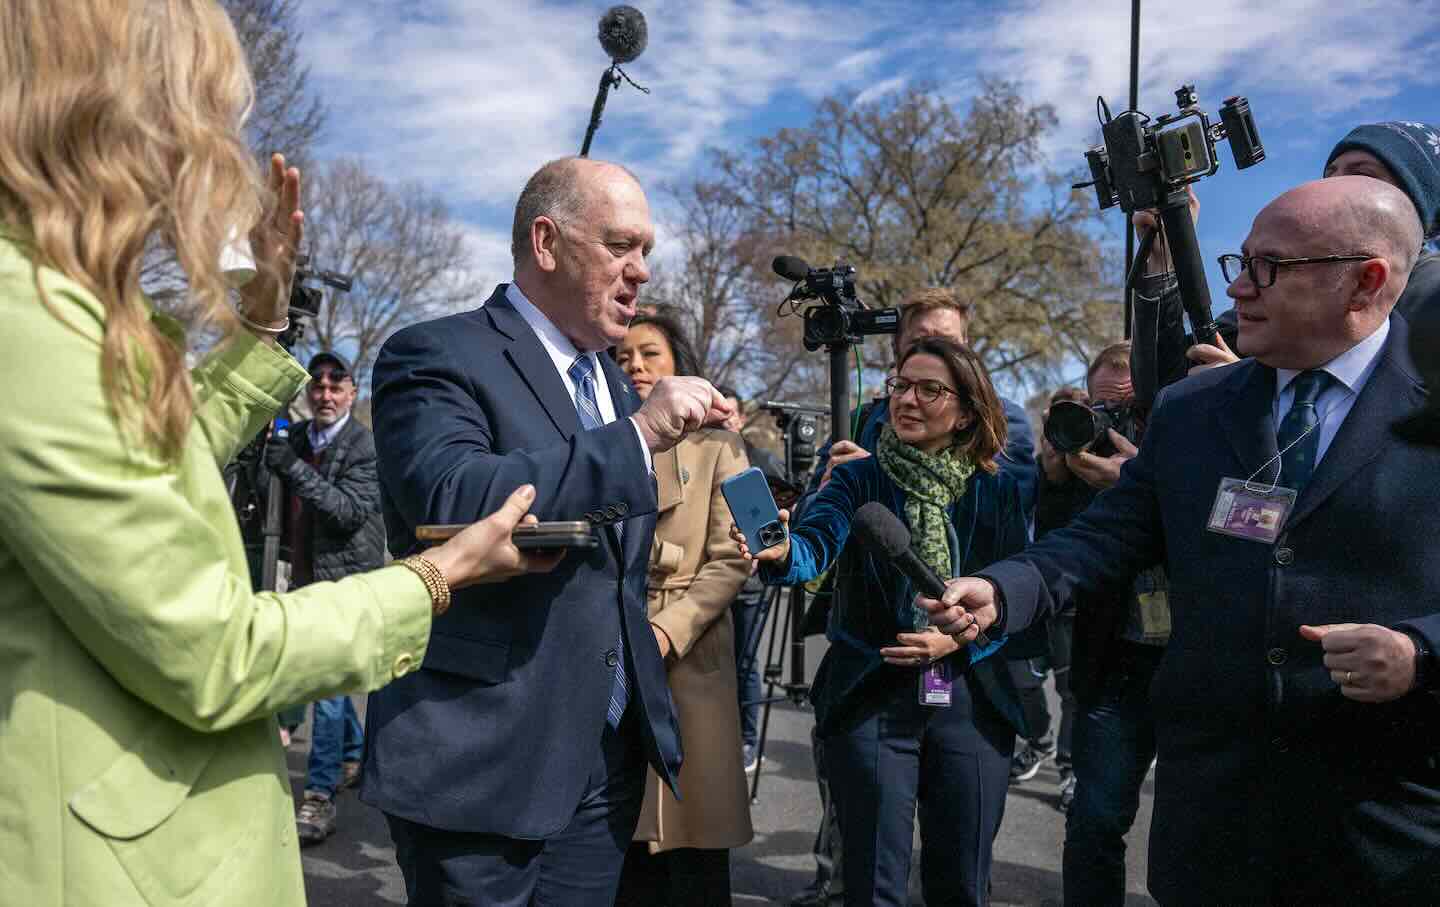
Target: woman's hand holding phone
x=775 y=553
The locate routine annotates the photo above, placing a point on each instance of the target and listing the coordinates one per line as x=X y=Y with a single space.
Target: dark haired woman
x=682 y=850
x=905 y=715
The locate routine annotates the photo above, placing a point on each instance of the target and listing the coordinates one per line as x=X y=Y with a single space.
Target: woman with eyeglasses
x=140 y=672
x=681 y=850
x=905 y=716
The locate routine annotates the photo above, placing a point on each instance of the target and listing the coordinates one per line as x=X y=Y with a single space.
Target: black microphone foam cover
x=791 y=268
x=623 y=33
x=880 y=530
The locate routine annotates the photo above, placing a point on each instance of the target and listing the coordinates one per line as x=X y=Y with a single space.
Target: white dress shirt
x=1351 y=369
x=562 y=355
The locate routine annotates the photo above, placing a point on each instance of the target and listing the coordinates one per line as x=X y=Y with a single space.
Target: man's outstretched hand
x=967 y=608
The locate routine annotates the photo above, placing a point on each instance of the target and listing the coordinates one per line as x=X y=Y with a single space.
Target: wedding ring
x=1349 y=675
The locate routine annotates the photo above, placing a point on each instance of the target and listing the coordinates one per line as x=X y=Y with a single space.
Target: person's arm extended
x=436 y=448
x=687 y=616
x=1118 y=535
x=816 y=541
x=133 y=559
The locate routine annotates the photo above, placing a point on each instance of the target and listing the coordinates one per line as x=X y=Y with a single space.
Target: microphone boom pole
x=623 y=35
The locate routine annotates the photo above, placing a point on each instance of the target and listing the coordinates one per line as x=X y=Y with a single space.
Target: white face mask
x=236 y=261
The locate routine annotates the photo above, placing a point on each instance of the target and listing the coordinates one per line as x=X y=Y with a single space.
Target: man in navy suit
x=510 y=765
x=1295 y=714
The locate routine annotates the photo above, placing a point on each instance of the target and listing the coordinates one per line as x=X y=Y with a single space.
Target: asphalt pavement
x=356 y=866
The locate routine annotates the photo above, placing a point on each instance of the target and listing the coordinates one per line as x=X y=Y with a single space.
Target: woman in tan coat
x=682 y=850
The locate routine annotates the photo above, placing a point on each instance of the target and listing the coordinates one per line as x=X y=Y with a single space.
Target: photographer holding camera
x=332 y=501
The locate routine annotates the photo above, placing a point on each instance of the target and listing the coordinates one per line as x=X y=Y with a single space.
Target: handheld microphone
x=882 y=532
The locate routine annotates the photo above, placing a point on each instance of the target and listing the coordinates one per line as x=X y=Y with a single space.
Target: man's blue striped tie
x=582 y=372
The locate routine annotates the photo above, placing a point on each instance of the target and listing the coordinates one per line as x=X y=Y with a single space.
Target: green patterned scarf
x=931 y=482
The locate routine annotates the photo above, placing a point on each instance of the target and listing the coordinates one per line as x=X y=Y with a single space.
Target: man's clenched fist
x=678 y=406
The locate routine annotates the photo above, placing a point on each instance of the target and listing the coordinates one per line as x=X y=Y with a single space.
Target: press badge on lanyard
x=938 y=679
x=1254 y=510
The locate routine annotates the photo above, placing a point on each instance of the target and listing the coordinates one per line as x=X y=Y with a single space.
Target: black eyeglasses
x=926 y=392
x=1263 y=268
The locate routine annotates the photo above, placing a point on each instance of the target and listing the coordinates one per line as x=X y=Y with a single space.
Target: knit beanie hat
x=1412 y=152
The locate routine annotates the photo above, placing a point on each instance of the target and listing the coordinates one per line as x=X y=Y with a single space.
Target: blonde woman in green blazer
x=139 y=672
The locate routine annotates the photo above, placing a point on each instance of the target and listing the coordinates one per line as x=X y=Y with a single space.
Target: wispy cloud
x=1304 y=57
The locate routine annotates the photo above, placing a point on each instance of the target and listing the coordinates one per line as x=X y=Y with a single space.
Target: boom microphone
x=623 y=33
x=882 y=532
x=790 y=267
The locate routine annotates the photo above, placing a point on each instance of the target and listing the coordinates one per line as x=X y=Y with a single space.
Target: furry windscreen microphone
x=623 y=33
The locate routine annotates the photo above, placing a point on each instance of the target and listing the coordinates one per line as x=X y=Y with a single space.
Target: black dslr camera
x=841 y=317
x=1072 y=427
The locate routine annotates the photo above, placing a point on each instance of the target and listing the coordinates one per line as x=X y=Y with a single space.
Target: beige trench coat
x=695 y=573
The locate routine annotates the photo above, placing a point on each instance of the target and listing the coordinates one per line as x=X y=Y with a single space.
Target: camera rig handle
x=1189 y=269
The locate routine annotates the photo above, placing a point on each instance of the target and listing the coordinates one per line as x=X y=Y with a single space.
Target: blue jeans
x=335 y=737
x=746 y=612
x=1113 y=746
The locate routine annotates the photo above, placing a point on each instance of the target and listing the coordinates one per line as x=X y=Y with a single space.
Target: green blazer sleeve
x=142 y=561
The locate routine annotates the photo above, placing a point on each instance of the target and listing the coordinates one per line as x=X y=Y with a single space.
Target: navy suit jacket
x=499 y=730
x=1271 y=786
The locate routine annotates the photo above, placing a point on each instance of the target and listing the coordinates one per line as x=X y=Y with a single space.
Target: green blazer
x=139 y=671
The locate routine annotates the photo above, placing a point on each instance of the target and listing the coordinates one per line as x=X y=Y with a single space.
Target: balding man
x=1294 y=708
x=510 y=765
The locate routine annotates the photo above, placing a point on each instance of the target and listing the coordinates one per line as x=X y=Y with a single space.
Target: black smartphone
x=747 y=494
x=526 y=536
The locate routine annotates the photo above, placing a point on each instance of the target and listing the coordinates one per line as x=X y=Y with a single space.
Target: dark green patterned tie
x=1298 y=439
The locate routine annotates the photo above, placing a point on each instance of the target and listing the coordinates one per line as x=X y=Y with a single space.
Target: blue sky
x=468 y=96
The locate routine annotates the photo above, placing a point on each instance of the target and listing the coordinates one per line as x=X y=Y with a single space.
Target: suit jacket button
x=1281 y=744
x=623 y=508
x=612 y=658
x=612 y=512
x=1284 y=556
x=1277 y=656
x=594 y=516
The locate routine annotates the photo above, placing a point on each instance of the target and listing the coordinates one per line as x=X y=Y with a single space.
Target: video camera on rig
x=1146 y=163
x=800 y=427
x=306 y=299
x=841 y=317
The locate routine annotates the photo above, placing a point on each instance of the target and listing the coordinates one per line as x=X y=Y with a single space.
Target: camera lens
x=1070 y=426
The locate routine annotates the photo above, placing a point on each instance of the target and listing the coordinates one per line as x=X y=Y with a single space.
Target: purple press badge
x=935 y=683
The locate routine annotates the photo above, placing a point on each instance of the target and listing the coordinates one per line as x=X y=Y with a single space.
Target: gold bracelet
x=257 y=326
x=434 y=582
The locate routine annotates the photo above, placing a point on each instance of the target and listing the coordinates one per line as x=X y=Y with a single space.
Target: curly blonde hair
x=122 y=129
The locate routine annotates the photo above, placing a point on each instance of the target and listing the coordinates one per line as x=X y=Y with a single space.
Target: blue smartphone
x=747 y=494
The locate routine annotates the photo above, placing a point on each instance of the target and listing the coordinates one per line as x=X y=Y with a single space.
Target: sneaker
x=1067 y=794
x=817 y=895
x=315 y=819
x=349 y=774
x=749 y=758
x=1025 y=764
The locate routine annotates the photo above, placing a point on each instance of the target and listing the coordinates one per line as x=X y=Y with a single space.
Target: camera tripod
x=787 y=632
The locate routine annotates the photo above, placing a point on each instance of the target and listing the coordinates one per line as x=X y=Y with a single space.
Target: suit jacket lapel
x=1247 y=420
x=1393 y=391
x=529 y=358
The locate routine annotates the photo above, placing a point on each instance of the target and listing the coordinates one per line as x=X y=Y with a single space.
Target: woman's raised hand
x=775 y=553
x=483 y=552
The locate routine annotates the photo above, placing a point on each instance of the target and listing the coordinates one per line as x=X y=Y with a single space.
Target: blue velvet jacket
x=872 y=597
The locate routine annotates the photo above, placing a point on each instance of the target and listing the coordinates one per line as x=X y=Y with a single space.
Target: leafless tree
x=408 y=256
